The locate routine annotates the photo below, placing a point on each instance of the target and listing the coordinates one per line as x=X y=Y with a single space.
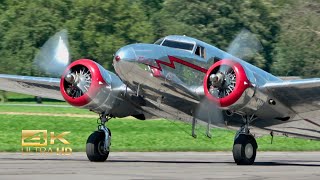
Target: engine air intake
x=81 y=82
x=78 y=81
x=225 y=82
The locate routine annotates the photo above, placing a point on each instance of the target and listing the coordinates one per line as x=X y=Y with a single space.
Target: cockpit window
x=159 y=41
x=178 y=45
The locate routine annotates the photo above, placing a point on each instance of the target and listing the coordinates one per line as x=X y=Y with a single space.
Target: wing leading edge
x=37 y=86
x=301 y=95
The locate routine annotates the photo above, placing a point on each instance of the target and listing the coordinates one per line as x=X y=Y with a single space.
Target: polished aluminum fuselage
x=174 y=89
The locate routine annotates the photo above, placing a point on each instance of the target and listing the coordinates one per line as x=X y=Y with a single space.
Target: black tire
x=94 y=147
x=244 y=150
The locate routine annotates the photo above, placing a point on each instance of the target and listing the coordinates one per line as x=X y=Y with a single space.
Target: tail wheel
x=244 y=149
x=95 y=147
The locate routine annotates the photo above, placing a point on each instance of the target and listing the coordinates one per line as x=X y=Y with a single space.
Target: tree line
x=289 y=30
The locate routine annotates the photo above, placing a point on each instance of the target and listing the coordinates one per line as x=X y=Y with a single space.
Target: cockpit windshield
x=178 y=45
x=159 y=41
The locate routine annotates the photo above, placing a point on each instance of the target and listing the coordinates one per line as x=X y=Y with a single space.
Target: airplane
x=180 y=78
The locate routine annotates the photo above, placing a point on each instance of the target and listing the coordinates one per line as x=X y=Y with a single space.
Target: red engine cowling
x=225 y=82
x=81 y=82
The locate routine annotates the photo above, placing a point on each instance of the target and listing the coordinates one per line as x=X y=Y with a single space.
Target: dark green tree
x=151 y=6
x=24 y=27
x=297 y=52
x=218 y=22
x=99 y=28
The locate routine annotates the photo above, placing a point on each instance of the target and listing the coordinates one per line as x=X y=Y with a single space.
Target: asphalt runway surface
x=163 y=165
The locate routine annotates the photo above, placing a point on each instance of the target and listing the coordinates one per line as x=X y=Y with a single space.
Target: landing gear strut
x=245 y=146
x=99 y=142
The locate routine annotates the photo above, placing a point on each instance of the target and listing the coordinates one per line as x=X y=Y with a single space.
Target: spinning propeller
x=226 y=79
x=223 y=79
x=54 y=58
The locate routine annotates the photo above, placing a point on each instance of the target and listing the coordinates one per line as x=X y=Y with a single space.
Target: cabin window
x=178 y=45
x=200 y=51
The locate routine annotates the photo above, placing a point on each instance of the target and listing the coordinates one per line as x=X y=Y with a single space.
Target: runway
x=164 y=165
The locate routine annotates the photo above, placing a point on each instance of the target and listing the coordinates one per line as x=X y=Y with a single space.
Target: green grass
x=16 y=98
x=127 y=134
x=134 y=135
x=20 y=99
x=44 y=109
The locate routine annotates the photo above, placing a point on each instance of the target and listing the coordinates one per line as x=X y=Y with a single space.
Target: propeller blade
x=54 y=55
x=210 y=113
x=245 y=45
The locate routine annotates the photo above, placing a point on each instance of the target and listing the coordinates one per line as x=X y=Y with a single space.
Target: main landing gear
x=99 y=142
x=244 y=146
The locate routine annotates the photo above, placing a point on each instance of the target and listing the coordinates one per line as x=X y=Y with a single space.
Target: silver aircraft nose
x=125 y=53
x=124 y=60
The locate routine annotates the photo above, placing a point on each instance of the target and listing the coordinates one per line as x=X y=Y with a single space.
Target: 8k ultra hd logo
x=38 y=141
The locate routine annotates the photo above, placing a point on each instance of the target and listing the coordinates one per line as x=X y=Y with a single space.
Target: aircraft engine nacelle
x=87 y=84
x=226 y=84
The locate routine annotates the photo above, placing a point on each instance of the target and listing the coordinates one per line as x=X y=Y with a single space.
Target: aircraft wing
x=36 y=86
x=300 y=95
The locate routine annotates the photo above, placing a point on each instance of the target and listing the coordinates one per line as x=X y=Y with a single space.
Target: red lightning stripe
x=174 y=59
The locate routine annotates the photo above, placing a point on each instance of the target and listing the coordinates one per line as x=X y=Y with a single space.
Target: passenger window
x=200 y=51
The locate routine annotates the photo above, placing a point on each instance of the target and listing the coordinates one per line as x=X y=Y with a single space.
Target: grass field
x=128 y=134
x=15 y=98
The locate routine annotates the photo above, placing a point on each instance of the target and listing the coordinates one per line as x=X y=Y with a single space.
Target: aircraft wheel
x=244 y=150
x=95 y=147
